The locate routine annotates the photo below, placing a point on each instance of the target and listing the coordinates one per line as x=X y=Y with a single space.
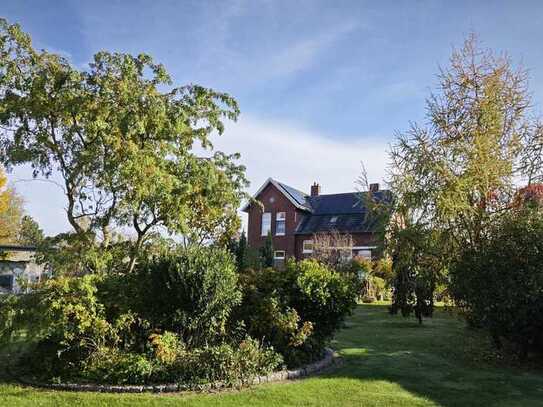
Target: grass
x=388 y=361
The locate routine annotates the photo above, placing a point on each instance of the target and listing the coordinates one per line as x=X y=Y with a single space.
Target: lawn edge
x=330 y=358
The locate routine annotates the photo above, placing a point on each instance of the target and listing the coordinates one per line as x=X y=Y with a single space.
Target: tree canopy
x=123 y=141
x=454 y=177
x=11 y=210
x=459 y=170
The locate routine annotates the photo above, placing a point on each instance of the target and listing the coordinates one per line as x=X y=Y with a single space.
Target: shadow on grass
x=441 y=361
x=387 y=360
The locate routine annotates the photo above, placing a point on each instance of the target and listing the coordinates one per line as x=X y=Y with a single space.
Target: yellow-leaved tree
x=11 y=210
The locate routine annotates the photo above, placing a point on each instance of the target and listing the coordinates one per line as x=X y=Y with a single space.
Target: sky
x=322 y=85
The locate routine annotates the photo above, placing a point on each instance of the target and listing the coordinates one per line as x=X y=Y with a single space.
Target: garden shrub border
x=330 y=358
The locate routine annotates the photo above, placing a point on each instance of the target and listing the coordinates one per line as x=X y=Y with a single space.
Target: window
x=266 y=223
x=6 y=282
x=279 y=255
x=308 y=246
x=280 y=224
x=366 y=253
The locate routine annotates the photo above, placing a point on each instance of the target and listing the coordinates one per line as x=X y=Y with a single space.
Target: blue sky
x=322 y=85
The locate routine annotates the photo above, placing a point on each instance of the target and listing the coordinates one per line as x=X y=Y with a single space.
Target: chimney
x=315 y=189
x=374 y=187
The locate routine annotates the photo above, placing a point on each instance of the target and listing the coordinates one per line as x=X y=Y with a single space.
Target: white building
x=17 y=265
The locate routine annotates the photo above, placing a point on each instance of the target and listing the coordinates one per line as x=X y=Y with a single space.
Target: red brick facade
x=274 y=201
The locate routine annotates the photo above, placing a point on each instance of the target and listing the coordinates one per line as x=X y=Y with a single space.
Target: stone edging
x=329 y=359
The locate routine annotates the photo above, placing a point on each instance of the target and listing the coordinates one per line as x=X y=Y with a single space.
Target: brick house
x=294 y=217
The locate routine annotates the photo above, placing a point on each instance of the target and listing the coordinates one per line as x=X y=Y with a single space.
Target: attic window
x=333 y=219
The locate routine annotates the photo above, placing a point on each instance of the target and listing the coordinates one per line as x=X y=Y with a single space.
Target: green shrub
x=323 y=297
x=361 y=265
x=190 y=293
x=166 y=347
x=224 y=363
x=296 y=310
x=62 y=318
x=383 y=270
x=499 y=285
x=179 y=318
x=112 y=366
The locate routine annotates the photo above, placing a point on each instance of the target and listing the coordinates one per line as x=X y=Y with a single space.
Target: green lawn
x=388 y=361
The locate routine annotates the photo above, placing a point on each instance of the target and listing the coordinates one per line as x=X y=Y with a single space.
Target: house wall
x=359 y=239
x=273 y=201
x=26 y=270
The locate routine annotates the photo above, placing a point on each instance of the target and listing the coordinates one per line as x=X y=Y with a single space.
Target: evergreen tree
x=241 y=252
x=30 y=232
x=266 y=252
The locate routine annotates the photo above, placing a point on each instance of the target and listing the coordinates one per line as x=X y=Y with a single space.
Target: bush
x=374 y=277
x=226 y=363
x=323 y=297
x=296 y=310
x=62 y=318
x=499 y=285
x=110 y=365
x=190 y=293
x=383 y=270
x=179 y=318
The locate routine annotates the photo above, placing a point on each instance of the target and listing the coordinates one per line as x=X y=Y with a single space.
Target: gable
x=295 y=197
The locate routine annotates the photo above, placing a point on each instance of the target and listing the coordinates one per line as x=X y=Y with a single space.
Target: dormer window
x=280 y=221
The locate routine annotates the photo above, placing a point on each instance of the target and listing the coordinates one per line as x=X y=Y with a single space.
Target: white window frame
x=266 y=222
x=356 y=249
x=280 y=217
x=307 y=251
x=276 y=257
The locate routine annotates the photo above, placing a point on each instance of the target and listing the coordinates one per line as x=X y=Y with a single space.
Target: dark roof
x=335 y=204
x=345 y=213
x=17 y=247
x=339 y=204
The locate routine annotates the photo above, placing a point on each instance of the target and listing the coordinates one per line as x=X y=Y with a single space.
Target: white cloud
x=299 y=157
x=302 y=54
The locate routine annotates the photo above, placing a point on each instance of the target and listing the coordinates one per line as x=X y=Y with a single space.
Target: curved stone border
x=329 y=359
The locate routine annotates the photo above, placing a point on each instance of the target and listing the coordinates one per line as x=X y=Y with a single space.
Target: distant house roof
x=345 y=212
x=14 y=253
x=17 y=247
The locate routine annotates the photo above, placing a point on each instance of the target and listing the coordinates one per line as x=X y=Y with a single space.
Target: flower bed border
x=330 y=358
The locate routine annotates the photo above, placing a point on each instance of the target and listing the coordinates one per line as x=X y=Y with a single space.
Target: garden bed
x=330 y=358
